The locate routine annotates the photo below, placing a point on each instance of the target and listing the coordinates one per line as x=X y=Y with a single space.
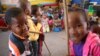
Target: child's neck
x=18 y=36
x=81 y=40
x=76 y=41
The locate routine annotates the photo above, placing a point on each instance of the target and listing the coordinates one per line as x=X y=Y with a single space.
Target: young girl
x=38 y=25
x=45 y=23
x=50 y=22
x=84 y=42
x=57 y=23
x=41 y=36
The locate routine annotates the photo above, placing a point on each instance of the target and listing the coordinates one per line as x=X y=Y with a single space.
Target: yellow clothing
x=33 y=28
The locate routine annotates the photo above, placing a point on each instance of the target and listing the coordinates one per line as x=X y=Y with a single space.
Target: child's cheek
x=81 y=32
x=71 y=33
x=17 y=31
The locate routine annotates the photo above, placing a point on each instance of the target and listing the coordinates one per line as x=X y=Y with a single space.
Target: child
x=94 y=17
x=57 y=21
x=16 y=21
x=84 y=43
x=45 y=23
x=57 y=24
x=33 y=37
x=50 y=22
x=38 y=25
x=41 y=36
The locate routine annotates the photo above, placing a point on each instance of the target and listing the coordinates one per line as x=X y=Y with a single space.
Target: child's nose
x=26 y=27
x=74 y=31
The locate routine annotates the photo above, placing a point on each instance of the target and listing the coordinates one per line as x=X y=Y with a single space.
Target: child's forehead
x=14 y=21
x=75 y=14
x=44 y=15
x=76 y=18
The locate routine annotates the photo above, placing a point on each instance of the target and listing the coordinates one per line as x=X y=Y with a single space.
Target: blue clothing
x=78 y=49
x=17 y=42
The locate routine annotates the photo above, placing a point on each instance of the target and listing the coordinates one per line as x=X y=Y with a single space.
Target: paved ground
x=4 y=43
x=56 y=42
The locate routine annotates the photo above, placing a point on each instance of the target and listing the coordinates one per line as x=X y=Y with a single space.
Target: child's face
x=77 y=25
x=39 y=18
x=44 y=16
x=39 y=11
x=19 y=25
x=28 y=10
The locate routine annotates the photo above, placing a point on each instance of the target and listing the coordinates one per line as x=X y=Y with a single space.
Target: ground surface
x=56 y=42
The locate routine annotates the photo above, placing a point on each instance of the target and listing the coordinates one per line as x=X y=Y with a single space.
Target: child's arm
x=31 y=29
x=36 y=32
x=41 y=36
x=41 y=31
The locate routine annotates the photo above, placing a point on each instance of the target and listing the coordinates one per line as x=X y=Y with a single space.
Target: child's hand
x=40 y=32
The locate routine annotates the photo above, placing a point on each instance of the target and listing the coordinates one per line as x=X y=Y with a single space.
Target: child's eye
x=18 y=25
x=79 y=25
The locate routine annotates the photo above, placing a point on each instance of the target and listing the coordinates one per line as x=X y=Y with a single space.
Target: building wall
x=76 y=1
x=98 y=1
x=33 y=2
x=9 y=2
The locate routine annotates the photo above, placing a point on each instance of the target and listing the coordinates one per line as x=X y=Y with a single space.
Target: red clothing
x=40 y=42
x=2 y=23
x=50 y=22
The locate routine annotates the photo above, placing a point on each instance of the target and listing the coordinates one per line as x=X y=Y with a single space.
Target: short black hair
x=23 y=4
x=50 y=17
x=10 y=13
x=34 y=9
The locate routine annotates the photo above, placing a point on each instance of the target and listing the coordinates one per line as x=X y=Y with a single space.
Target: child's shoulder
x=95 y=40
x=29 y=17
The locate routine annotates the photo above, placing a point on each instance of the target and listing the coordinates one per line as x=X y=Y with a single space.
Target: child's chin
x=25 y=35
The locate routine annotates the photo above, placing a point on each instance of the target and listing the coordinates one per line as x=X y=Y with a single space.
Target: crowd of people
x=52 y=19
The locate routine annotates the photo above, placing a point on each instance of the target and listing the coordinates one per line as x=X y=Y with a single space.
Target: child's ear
x=26 y=11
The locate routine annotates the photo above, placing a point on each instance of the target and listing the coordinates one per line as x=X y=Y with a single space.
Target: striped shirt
x=16 y=45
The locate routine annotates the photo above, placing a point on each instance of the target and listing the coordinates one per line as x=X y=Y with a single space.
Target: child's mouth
x=24 y=34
